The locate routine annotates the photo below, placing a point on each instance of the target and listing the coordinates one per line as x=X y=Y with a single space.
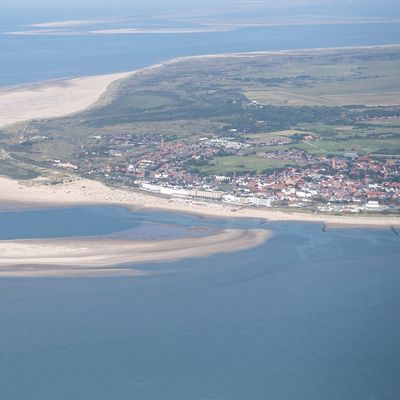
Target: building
x=206 y=194
x=262 y=202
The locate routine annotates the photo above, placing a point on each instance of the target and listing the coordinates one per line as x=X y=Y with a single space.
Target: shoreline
x=62 y=97
x=98 y=257
x=40 y=193
x=52 y=99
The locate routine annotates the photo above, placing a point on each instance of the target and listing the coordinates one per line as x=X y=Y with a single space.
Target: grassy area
x=146 y=100
x=302 y=67
x=384 y=122
x=275 y=134
x=305 y=82
x=226 y=165
x=327 y=95
x=361 y=146
x=11 y=170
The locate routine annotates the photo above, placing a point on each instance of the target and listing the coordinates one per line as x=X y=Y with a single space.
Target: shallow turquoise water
x=309 y=315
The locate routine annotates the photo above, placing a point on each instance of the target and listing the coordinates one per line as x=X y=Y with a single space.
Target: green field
x=226 y=165
x=329 y=83
x=12 y=170
x=275 y=134
x=361 y=146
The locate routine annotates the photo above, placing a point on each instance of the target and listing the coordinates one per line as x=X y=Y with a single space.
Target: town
x=181 y=168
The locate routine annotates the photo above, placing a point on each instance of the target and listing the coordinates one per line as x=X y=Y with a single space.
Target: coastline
x=40 y=192
x=96 y=257
x=52 y=99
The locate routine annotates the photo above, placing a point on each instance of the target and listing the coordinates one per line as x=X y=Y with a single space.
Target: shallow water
x=108 y=221
x=308 y=315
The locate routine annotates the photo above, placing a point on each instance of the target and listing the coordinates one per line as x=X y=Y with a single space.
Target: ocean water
x=27 y=59
x=309 y=315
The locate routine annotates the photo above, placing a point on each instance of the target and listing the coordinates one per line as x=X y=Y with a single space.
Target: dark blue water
x=38 y=58
x=309 y=315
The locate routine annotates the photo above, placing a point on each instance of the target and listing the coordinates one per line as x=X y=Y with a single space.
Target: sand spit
x=85 y=257
x=53 y=98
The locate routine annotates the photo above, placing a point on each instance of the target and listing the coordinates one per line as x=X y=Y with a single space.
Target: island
x=293 y=135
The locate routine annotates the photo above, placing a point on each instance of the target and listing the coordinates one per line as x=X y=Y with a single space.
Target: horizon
x=24 y=12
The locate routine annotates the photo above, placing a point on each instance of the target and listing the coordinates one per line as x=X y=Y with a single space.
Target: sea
x=309 y=315
x=31 y=59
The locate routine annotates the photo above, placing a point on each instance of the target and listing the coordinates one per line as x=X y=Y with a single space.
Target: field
x=330 y=85
x=360 y=146
x=225 y=165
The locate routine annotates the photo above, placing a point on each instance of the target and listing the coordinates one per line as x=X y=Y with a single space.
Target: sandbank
x=84 y=256
x=53 y=98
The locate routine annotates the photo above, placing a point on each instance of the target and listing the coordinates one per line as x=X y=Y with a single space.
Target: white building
x=372 y=205
x=261 y=202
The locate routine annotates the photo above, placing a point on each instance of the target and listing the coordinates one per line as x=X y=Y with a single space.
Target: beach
x=52 y=99
x=88 y=257
x=92 y=257
x=41 y=192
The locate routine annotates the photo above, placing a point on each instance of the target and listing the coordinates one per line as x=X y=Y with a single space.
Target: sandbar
x=89 y=256
x=52 y=98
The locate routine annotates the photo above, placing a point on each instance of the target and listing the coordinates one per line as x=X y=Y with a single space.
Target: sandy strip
x=53 y=98
x=74 y=257
x=39 y=192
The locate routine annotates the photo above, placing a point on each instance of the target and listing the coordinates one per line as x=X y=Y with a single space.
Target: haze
x=26 y=11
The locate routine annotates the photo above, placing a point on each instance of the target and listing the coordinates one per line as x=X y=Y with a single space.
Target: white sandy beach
x=40 y=192
x=69 y=257
x=52 y=99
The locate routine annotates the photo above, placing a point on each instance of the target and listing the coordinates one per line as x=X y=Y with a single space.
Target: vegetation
x=250 y=164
